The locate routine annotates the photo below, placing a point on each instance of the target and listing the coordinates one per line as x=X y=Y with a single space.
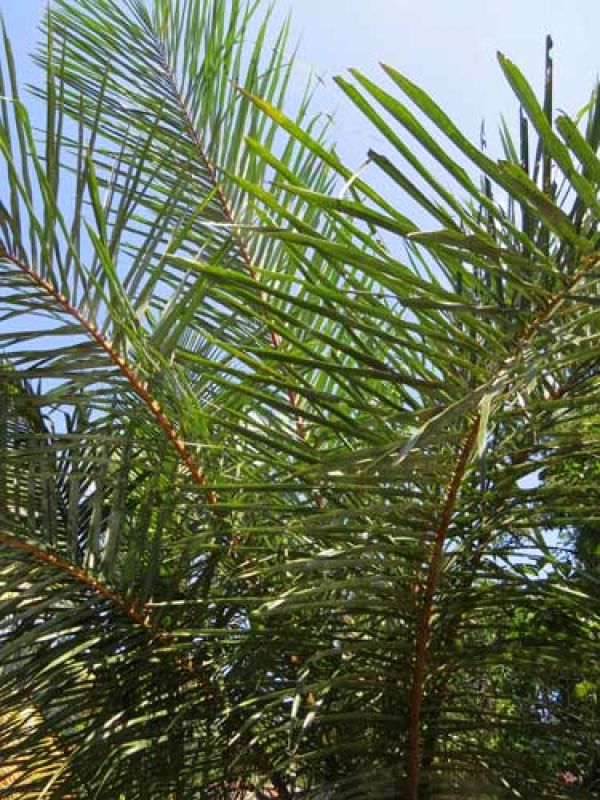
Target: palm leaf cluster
x=272 y=515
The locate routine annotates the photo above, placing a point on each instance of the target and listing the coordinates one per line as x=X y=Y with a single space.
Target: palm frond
x=281 y=467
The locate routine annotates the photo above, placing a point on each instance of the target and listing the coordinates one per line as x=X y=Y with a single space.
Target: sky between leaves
x=448 y=47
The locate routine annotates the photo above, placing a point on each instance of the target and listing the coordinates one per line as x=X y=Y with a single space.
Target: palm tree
x=269 y=520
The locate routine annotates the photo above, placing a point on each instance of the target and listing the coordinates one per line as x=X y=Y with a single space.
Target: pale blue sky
x=446 y=46
x=449 y=48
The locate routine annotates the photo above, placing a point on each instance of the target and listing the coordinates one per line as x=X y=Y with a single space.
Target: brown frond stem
x=423 y=635
x=453 y=622
x=136 y=383
x=587 y=262
x=125 y=606
x=227 y=211
x=156 y=634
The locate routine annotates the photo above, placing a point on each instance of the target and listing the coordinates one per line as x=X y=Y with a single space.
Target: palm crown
x=268 y=525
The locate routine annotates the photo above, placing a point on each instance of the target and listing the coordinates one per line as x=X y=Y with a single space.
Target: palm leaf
x=265 y=522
